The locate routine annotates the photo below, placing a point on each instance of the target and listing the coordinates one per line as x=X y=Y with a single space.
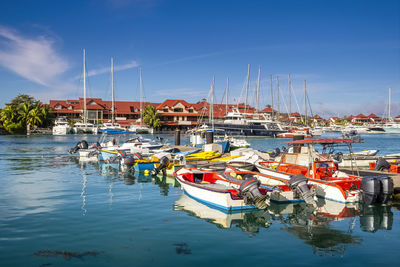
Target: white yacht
x=110 y=126
x=80 y=128
x=61 y=126
x=140 y=129
x=236 y=123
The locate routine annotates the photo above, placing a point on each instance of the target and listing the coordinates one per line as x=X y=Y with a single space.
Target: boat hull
x=244 y=130
x=323 y=189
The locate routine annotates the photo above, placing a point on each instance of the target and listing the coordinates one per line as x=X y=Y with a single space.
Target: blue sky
x=348 y=51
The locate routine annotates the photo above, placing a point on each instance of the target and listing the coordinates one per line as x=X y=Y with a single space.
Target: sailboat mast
x=140 y=95
x=247 y=88
x=227 y=91
x=84 y=88
x=389 y=104
x=290 y=97
x=305 y=103
x=112 y=91
x=258 y=89
x=277 y=88
x=272 y=98
x=211 y=111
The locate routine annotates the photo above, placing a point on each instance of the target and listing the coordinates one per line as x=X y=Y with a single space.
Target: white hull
x=61 y=130
x=392 y=130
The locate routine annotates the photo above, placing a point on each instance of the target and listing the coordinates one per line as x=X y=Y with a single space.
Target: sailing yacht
x=112 y=125
x=84 y=127
x=141 y=128
x=391 y=126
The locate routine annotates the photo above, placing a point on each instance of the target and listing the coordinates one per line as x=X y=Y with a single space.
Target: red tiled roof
x=268 y=109
x=361 y=116
x=169 y=114
x=172 y=102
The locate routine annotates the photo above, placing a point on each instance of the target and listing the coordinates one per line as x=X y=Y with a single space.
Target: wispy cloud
x=181 y=92
x=130 y=65
x=32 y=58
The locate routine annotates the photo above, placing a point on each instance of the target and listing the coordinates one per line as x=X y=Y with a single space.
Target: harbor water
x=57 y=211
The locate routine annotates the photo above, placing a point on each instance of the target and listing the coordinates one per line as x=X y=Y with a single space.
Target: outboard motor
x=298 y=183
x=80 y=145
x=338 y=157
x=164 y=162
x=370 y=190
x=381 y=165
x=251 y=194
x=386 y=189
x=275 y=153
x=180 y=159
x=376 y=217
x=126 y=161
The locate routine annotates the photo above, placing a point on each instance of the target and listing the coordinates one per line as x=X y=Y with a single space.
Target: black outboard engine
x=338 y=157
x=381 y=165
x=251 y=194
x=376 y=217
x=126 y=161
x=275 y=153
x=80 y=145
x=298 y=183
x=164 y=162
x=370 y=190
x=386 y=189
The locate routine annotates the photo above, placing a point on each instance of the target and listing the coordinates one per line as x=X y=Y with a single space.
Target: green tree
x=23 y=112
x=21 y=99
x=151 y=117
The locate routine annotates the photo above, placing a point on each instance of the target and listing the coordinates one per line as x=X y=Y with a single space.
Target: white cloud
x=34 y=59
x=130 y=65
x=182 y=92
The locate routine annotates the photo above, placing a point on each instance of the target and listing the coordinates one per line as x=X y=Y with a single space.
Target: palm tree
x=23 y=112
x=7 y=115
x=46 y=115
x=34 y=117
x=151 y=117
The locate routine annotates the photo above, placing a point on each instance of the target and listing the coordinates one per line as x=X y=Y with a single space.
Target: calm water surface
x=55 y=211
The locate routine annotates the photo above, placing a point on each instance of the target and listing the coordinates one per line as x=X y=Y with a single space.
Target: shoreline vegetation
x=24 y=114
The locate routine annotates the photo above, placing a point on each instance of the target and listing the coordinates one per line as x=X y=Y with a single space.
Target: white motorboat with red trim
x=213 y=189
x=322 y=171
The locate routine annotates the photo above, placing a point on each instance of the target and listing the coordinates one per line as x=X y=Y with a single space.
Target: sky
x=347 y=51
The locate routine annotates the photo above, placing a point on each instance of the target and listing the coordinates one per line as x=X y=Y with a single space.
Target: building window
x=58 y=106
x=178 y=109
x=190 y=110
x=165 y=110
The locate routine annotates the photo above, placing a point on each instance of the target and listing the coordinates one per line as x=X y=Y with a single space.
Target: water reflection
x=249 y=221
x=328 y=229
x=164 y=182
x=314 y=226
x=376 y=217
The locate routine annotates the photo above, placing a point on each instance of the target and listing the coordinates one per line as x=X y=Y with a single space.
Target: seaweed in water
x=182 y=248
x=67 y=255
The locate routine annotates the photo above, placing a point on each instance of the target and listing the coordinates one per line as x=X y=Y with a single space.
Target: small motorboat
x=365 y=152
x=214 y=189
